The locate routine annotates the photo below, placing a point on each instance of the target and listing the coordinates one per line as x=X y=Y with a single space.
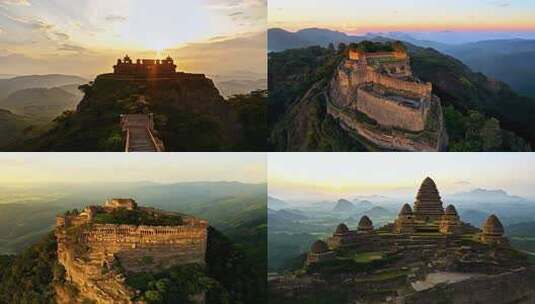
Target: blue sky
x=335 y=175
x=24 y=168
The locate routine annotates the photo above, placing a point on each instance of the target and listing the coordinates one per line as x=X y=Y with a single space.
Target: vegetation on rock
x=190 y=115
x=28 y=277
x=230 y=276
x=122 y=216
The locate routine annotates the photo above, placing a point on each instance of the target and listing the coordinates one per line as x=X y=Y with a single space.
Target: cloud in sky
x=15 y=2
x=116 y=18
x=72 y=48
x=103 y=30
x=500 y=3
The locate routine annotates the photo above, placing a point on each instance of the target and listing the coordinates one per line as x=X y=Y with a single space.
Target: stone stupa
x=428 y=205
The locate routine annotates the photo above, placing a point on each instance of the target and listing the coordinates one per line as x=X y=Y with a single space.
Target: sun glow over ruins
x=56 y=37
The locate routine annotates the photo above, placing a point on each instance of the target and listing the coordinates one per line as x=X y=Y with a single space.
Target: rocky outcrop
x=516 y=287
x=183 y=90
x=388 y=138
x=97 y=257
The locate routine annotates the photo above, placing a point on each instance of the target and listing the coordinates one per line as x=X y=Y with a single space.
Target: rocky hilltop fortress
x=375 y=96
x=149 y=68
x=97 y=251
x=150 y=78
x=428 y=255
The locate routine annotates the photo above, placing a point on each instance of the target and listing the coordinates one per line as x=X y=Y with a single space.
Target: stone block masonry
x=390 y=113
x=144 y=248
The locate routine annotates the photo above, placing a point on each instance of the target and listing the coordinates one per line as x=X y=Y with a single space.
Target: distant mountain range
x=509 y=60
x=11 y=85
x=486 y=196
x=343 y=205
x=280 y=39
x=285 y=215
x=378 y=212
x=276 y=204
x=27 y=101
x=42 y=104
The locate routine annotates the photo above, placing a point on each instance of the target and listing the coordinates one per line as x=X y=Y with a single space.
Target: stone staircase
x=138 y=128
x=140 y=140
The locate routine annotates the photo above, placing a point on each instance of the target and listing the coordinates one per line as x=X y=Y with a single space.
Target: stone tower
x=493 y=232
x=450 y=222
x=319 y=252
x=365 y=225
x=405 y=221
x=428 y=205
x=341 y=230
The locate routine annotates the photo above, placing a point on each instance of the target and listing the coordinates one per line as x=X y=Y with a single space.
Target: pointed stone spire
x=428 y=204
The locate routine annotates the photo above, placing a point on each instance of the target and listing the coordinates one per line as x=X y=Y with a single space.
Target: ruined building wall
x=390 y=113
x=346 y=92
x=360 y=74
x=144 y=248
x=394 y=139
x=350 y=75
x=137 y=248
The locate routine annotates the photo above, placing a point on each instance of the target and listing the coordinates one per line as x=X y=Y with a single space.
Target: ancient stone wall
x=345 y=92
x=370 y=76
x=359 y=74
x=393 y=139
x=390 y=113
x=144 y=248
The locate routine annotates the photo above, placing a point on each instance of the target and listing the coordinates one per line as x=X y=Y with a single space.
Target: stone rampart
x=359 y=77
x=391 y=140
x=390 y=113
x=142 y=248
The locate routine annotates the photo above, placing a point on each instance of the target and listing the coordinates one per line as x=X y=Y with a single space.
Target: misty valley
x=295 y=224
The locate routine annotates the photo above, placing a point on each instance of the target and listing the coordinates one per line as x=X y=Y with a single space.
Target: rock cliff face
x=183 y=90
x=97 y=257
